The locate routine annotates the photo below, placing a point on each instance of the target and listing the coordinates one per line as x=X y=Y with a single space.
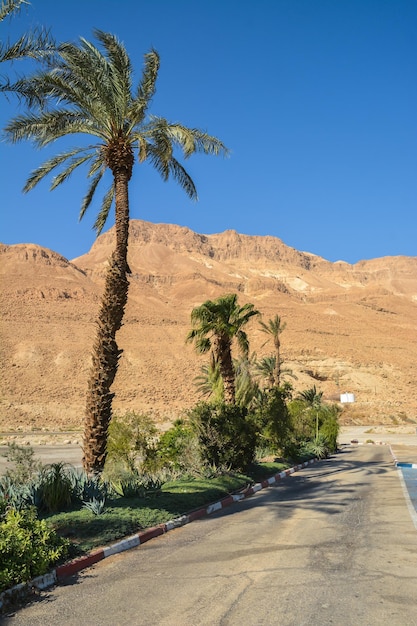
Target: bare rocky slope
x=349 y=327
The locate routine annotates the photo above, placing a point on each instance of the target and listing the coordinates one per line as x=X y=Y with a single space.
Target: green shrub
x=28 y=547
x=330 y=427
x=318 y=447
x=227 y=435
x=303 y=420
x=95 y=505
x=130 y=486
x=86 y=487
x=13 y=494
x=131 y=439
x=54 y=488
x=274 y=421
x=25 y=466
x=177 y=448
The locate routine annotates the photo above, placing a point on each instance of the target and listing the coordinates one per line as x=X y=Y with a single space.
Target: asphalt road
x=333 y=544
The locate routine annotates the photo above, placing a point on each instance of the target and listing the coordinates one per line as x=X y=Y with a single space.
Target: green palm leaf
x=47 y=167
x=104 y=211
x=90 y=194
x=62 y=176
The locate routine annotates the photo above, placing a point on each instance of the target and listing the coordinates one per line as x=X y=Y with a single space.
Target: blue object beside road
x=409 y=474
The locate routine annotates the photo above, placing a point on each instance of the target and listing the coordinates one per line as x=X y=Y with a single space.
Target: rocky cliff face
x=349 y=327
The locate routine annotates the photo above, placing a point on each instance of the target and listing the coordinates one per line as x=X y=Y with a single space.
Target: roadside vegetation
x=51 y=513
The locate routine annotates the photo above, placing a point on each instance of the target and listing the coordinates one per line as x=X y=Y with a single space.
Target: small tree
x=313 y=418
x=274 y=420
x=178 y=449
x=313 y=399
x=131 y=439
x=265 y=368
x=330 y=426
x=274 y=327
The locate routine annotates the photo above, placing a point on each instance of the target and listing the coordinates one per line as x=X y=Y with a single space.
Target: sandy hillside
x=349 y=327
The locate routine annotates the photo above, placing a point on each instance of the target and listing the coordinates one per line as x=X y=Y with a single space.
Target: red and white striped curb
x=68 y=569
x=72 y=567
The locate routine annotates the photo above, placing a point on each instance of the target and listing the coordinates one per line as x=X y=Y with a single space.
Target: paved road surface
x=333 y=544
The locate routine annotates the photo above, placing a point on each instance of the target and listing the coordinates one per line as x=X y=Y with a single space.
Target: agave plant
x=318 y=447
x=95 y=505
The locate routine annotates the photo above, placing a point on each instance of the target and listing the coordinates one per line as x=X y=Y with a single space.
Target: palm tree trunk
x=106 y=354
x=227 y=372
x=277 y=362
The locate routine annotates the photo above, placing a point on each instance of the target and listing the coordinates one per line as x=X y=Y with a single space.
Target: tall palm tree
x=216 y=323
x=89 y=91
x=274 y=328
x=35 y=44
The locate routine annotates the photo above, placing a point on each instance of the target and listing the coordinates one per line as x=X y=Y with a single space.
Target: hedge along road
x=332 y=544
x=72 y=453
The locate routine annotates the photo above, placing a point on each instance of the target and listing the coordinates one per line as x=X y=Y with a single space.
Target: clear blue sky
x=316 y=99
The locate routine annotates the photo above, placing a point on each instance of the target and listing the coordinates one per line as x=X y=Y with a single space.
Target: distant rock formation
x=350 y=327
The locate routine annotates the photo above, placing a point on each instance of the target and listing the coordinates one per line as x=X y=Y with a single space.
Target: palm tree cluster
x=251 y=392
x=215 y=325
x=87 y=89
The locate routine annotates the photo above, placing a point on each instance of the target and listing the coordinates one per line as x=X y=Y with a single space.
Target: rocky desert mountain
x=350 y=328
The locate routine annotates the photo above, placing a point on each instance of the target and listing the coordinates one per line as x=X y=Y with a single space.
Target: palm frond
x=104 y=211
x=76 y=162
x=10 y=7
x=47 y=167
x=90 y=193
x=35 y=45
x=146 y=88
x=193 y=140
x=55 y=85
x=120 y=71
x=46 y=127
x=181 y=176
x=242 y=342
x=87 y=70
x=142 y=147
x=21 y=89
x=159 y=155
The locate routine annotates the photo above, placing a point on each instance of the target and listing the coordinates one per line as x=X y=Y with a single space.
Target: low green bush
x=274 y=420
x=28 y=547
x=330 y=427
x=131 y=440
x=227 y=435
x=54 y=487
x=24 y=465
x=178 y=448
